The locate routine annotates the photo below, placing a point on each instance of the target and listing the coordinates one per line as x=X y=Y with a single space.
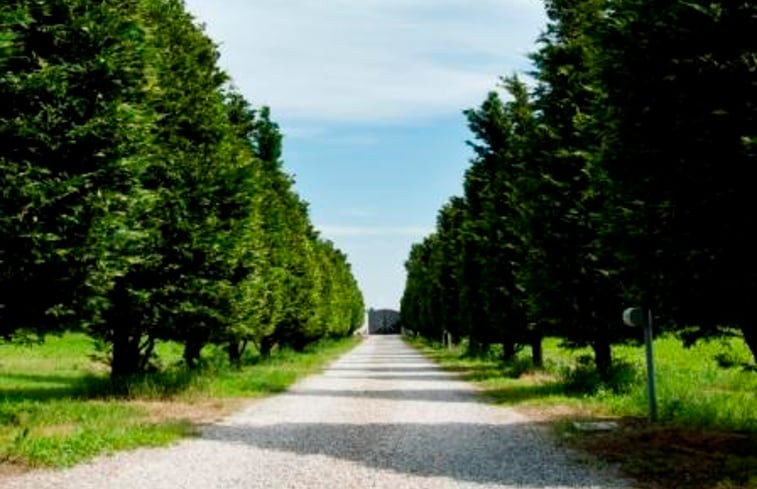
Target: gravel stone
x=382 y=416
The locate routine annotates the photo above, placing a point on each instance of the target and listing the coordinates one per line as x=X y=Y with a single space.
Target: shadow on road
x=517 y=454
x=363 y=368
x=437 y=395
x=431 y=377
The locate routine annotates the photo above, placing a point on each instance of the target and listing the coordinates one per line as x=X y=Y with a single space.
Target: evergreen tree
x=679 y=118
x=75 y=141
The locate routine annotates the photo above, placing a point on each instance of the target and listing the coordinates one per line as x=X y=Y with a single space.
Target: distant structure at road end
x=383 y=321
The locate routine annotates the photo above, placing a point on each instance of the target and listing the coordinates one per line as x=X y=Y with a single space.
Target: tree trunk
x=192 y=349
x=508 y=350
x=473 y=346
x=602 y=358
x=750 y=337
x=126 y=358
x=477 y=348
x=235 y=354
x=266 y=345
x=537 y=353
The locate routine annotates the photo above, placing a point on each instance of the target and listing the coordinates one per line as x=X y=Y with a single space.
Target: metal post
x=650 y=368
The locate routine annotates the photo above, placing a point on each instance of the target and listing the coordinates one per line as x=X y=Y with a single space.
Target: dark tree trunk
x=236 y=350
x=602 y=358
x=266 y=345
x=192 y=349
x=235 y=356
x=127 y=359
x=537 y=353
x=508 y=351
x=477 y=348
x=750 y=337
x=474 y=347
x=298 y=344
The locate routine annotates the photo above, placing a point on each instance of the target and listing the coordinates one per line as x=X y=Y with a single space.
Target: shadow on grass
x=164 y=384
x=523 y=393
x=50 y=378
x=43 y=387
x=514 y=389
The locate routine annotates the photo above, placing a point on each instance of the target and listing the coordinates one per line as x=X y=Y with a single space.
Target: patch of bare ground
x=676 y=458
x=659 y=456
x=537 y=377
x=196 y=412
x=11 y=468
x=556 y=413
x=54 y=430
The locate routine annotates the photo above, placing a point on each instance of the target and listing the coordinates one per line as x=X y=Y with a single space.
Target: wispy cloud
x=373 y=231
x=369 y=60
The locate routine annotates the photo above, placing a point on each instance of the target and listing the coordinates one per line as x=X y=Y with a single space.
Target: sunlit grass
x=692 y=389
x=58 y=406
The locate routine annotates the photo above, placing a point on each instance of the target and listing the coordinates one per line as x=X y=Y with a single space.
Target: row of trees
x=143 y=198
x=622 y=178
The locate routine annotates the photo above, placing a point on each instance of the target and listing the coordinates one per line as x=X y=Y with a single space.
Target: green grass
x=58 y=407
x=693 y=390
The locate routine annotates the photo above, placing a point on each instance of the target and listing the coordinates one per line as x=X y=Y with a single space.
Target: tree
x=495 y=251
x=680 y=138
x=450 y=228
x=142 y=198
x=74 y=142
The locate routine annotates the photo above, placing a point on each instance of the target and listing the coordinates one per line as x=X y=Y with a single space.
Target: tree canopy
x=143 y=198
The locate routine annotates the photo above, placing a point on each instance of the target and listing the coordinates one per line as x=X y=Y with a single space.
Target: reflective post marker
x=651 y=394
x=634 y=316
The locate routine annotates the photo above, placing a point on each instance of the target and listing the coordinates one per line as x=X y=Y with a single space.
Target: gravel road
x=382 y=416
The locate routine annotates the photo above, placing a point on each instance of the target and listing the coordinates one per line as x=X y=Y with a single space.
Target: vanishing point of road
x=382 y=416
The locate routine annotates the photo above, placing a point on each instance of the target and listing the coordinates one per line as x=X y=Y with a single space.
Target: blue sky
x=369 y=95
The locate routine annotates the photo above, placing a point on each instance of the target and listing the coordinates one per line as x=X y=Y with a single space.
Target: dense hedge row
x=143 y=199
x=621 y=179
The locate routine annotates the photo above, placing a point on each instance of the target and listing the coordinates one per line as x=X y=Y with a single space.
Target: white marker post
x=634 y=316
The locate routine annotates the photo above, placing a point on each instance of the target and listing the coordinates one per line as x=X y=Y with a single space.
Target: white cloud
x=330 y=231
x=368 y=60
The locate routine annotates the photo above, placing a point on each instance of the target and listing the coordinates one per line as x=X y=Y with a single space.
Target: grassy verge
x=57 y=406
x=707 y=437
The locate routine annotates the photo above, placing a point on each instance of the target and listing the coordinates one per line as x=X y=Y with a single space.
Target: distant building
x=383 y=321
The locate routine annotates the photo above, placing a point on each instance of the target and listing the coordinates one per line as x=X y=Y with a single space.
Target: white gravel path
x=382 y=416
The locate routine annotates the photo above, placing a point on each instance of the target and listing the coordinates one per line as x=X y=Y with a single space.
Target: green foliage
x=620 y=179
x=679 y=112
x=584 y=378
x=74 y=141
x=143 y=199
